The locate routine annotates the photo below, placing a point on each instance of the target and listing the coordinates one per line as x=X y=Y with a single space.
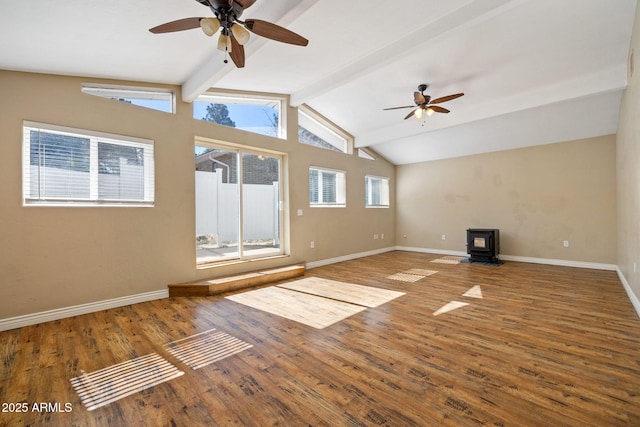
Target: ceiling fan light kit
x=234 y=33
x=421 y=110
x=224 y=43
x=240 y=34
x=209 y=25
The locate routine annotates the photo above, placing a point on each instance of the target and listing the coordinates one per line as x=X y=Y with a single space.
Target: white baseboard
x=329 y=261
x=548 y=261
x=632 y=297
x=430 y=251
x=560 y=262
x=76 y=310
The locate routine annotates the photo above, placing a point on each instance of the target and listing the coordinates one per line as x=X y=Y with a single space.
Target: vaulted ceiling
x=532 y=71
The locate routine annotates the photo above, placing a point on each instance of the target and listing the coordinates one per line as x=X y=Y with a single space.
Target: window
x=377 y=192
x=239 y=206
x=262 y=115
x=156 y=99
x=78 y=167
x=365 y=154
x=315 y=130
x=327 y=187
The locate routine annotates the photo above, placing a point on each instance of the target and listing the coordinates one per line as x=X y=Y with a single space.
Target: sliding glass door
x=238 y=204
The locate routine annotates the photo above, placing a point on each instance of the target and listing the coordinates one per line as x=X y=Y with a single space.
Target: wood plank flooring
x=544 y=346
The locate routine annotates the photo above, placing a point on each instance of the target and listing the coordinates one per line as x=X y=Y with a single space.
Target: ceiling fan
x=424 y=103
x=233 y=34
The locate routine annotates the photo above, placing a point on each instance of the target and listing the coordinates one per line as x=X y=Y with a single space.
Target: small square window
x=327 y=188
x=377 y=191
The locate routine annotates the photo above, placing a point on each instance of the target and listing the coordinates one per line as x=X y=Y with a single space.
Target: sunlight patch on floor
x=311 y=310
x=367 y=296
x=453 y=305
x=420 y=272
x=315 y=301
x=205 y=348
x=405 y=277
x=104 y=386
x=448 y=260
x=474 y=292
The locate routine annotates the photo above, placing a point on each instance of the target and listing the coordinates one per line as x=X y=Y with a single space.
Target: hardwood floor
x=544 y=346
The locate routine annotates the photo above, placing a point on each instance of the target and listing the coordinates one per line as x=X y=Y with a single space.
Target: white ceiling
x=533 y=71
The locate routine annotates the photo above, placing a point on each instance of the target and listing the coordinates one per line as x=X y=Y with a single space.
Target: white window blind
x=72 y=166
x=377 y=191
x=327 y=187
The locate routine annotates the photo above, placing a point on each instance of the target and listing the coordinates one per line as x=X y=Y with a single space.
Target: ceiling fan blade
x=419 y=98
x=237 y=52
x=438 y=109
x=274 y=32
x=397 y=108
x=245 y=3
x=446 y=98
x=179 y=25
x=411 y=114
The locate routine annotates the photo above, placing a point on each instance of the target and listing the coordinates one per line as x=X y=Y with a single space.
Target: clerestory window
x=262 y=115
x=315 y=130
x=155 y=99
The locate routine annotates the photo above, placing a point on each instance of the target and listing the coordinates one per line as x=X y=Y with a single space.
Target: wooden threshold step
x=234 y=282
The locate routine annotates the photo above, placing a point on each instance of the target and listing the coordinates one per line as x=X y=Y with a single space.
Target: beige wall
x=54 y=257
x=628 y=163
x=537 y=196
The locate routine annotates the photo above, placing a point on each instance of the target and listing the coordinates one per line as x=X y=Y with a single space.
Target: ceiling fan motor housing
x=227 y=15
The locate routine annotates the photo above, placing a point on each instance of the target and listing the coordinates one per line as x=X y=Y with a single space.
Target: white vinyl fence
x=217 y=210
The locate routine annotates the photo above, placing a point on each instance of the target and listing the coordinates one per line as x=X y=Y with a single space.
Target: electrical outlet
x=313 y=244
x=444 y=237
x=565 y=243
x=375 y=237
x=382 y=236
x=299 y=212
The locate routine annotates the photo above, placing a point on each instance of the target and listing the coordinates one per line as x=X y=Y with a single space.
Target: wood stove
x=483 y=245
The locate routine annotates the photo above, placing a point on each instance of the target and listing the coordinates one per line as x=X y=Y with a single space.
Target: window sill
x=226 y=263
